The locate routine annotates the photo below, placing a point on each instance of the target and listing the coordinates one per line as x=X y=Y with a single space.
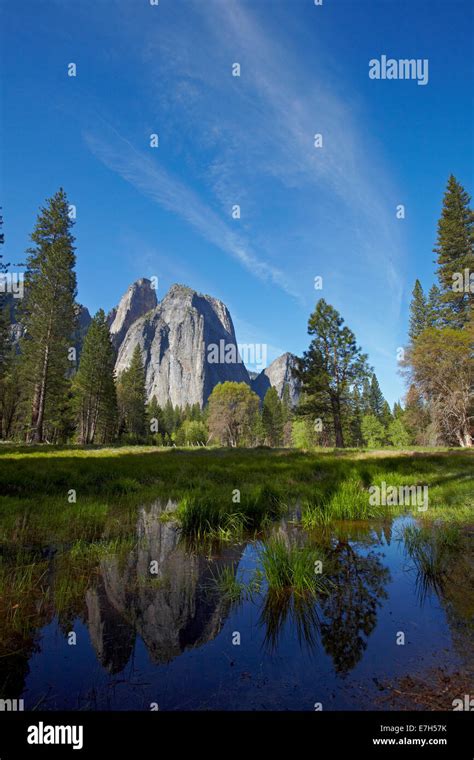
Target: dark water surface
x=168 y=640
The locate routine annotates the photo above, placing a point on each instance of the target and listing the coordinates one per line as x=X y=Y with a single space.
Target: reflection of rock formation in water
x=176 y=609
x=113 y=638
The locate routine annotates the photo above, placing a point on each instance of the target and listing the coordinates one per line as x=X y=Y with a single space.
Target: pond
x=155 y=623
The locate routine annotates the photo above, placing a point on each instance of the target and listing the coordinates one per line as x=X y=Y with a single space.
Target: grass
x=292 y=568
x=220 y=493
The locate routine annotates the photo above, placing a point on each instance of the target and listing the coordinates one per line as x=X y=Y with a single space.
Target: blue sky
x=247 y=140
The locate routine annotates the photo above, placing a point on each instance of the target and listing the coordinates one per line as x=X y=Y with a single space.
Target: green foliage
x=418 y=312
x=455 y=253
x=272 y=418
x=131 y=396
x=95 y=397
x=330 y=368
x=376 y=400
x=303 y=435
x=191 y=433
x=349 y=500
x=232 y=414
x=288 y=567
x=373 y=431
x=398 y=435
x=433 y=315
x=48 y=315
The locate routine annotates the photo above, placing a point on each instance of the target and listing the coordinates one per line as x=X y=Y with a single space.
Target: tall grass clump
x=291 y=567
x=350 y=501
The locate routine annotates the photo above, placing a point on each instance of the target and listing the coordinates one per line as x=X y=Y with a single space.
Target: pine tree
x=288 y=415
x=455 y=253
x=131 y=395
x=418 y=312
x=354 y=422
x=94 y=385
x=48 y=313
x=397 y=411
x=272 y=417
x=433 y=313
x=168 y=418
x=365 y=396
x=416 y=417
x=376 y=399
x=386 y=417
x=330 y=368
x=154 y=419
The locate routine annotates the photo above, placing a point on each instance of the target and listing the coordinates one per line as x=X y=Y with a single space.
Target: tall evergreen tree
x=365 y=396
x=455 y=253
x=48 y=313
x=330 y=368
x=376 y=398
x=154 y=414
x=386 y=416
x=418 y=312
x=131 y=395
x=354 y=422
x=272 y=417
x=433 y=313
x=94 y=385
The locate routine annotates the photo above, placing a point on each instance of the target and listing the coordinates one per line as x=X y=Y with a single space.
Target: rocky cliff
x=279 y=374
x=137 y=301
x=188 y=345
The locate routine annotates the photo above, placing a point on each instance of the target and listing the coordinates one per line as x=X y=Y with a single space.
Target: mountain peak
x=137 y=301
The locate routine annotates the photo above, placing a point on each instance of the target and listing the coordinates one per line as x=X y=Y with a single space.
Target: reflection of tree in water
x=344 y=618
x=350 y=611
x=299 y=609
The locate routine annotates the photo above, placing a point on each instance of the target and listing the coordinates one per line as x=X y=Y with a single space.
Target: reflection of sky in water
x=172 y=644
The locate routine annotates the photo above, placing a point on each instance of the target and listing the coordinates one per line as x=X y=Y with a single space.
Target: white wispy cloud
x=155 y=182
x=262 y=127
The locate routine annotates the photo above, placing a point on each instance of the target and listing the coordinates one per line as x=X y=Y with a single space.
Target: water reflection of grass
x=434 y=550
x=298 y=609
x=236 y=590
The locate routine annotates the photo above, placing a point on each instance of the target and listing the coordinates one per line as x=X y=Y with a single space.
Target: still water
x=176 y=641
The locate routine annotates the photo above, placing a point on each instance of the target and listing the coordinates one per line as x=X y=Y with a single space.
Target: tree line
x=57 y=386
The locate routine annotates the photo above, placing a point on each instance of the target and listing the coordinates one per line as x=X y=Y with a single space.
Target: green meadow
x=64 y=494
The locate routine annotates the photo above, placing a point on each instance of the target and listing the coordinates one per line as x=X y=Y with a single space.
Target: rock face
x=279 y=374
x=188 y=345
x=137 y=301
